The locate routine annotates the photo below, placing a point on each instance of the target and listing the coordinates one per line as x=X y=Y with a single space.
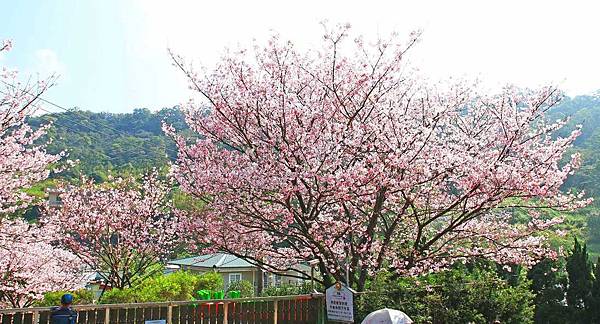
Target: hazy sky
x=111 y=54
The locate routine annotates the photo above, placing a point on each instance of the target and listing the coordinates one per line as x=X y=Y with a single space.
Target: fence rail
x=299 y=309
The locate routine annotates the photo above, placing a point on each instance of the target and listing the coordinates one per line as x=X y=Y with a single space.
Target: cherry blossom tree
x=22 y=162
x=120 y=229
x=31 y=264
x=346 y=156
x=30 y=261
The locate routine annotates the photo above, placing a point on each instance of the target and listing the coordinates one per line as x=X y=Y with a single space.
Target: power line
x=91 y=129
x=167 y=150
x=75 y=112
x=95 y=130
x=73 y=121
x=61 y=107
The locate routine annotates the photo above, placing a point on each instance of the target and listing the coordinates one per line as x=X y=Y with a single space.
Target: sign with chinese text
x=340 y=303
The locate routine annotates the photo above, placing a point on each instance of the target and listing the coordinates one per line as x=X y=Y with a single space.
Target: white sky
x=528 y=43
x=111 y=54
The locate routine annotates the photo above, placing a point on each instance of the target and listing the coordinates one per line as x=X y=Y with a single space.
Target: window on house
x=235 y=277
x=277 y=280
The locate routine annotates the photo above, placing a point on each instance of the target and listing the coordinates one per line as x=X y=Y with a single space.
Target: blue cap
x=66 y=299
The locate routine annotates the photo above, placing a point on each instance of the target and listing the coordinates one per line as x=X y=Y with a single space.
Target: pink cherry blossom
x=120 y=229
x=345 y=155
x=31 y=264
x=23 y=160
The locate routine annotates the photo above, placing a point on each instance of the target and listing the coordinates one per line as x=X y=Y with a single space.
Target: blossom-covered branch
x=120 y=229
x=348 y=157
x=22 y=161
x=31 y=264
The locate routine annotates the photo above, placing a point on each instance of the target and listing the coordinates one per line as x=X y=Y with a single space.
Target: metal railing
x=280 y=309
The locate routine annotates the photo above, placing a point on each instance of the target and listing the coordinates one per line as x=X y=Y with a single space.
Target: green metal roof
x=218 y=260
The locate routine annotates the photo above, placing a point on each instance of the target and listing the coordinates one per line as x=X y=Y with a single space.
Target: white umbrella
x=387 y=316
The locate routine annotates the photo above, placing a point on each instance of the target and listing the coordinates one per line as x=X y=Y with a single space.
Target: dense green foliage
x=212 y=281
x=80 y=297
x=548 y=284
x=552 y=292
x=579 y=269
x=594 y=301
x=585 y=111
x=474 y=293
x=569 y=291
x=178 y=285
x=245 y=287
x=288 y=290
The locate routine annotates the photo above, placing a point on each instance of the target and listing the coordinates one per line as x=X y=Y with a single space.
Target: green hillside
x=112 y=143
x=585 y=111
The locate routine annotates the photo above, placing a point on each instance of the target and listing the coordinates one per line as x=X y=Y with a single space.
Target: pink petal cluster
x=23 y=161
x=31 y=264
x=343 y=154
x=121 y=228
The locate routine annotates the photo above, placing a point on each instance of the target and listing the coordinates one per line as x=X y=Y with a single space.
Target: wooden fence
x=285 y=309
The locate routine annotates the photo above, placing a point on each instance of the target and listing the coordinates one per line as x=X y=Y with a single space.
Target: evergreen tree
x=580 y=283
x=549 y=282
x=594 y=307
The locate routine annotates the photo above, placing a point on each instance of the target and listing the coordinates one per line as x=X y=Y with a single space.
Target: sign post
x=340 y=303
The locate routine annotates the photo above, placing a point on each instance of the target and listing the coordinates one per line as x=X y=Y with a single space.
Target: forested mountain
x=105 y=142
x=121 y=143
x=585 y=111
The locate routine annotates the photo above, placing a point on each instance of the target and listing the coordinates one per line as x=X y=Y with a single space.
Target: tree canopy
x=343 y=155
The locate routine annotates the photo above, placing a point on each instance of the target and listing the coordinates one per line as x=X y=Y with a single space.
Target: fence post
x=36 y=317
x=322 y=312
x=107 y=316
x=225 y=307
x=170 y=314
x=275 y=312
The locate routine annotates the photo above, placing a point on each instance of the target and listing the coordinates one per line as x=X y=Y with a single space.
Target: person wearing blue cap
x=64 y=314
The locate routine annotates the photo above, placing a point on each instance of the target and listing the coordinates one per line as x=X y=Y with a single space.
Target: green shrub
x=287 y=290
x=180 y=285
x=210 y=281
x=465 y=294
x=245 y=287
x=120 y=296
x=80 y=297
